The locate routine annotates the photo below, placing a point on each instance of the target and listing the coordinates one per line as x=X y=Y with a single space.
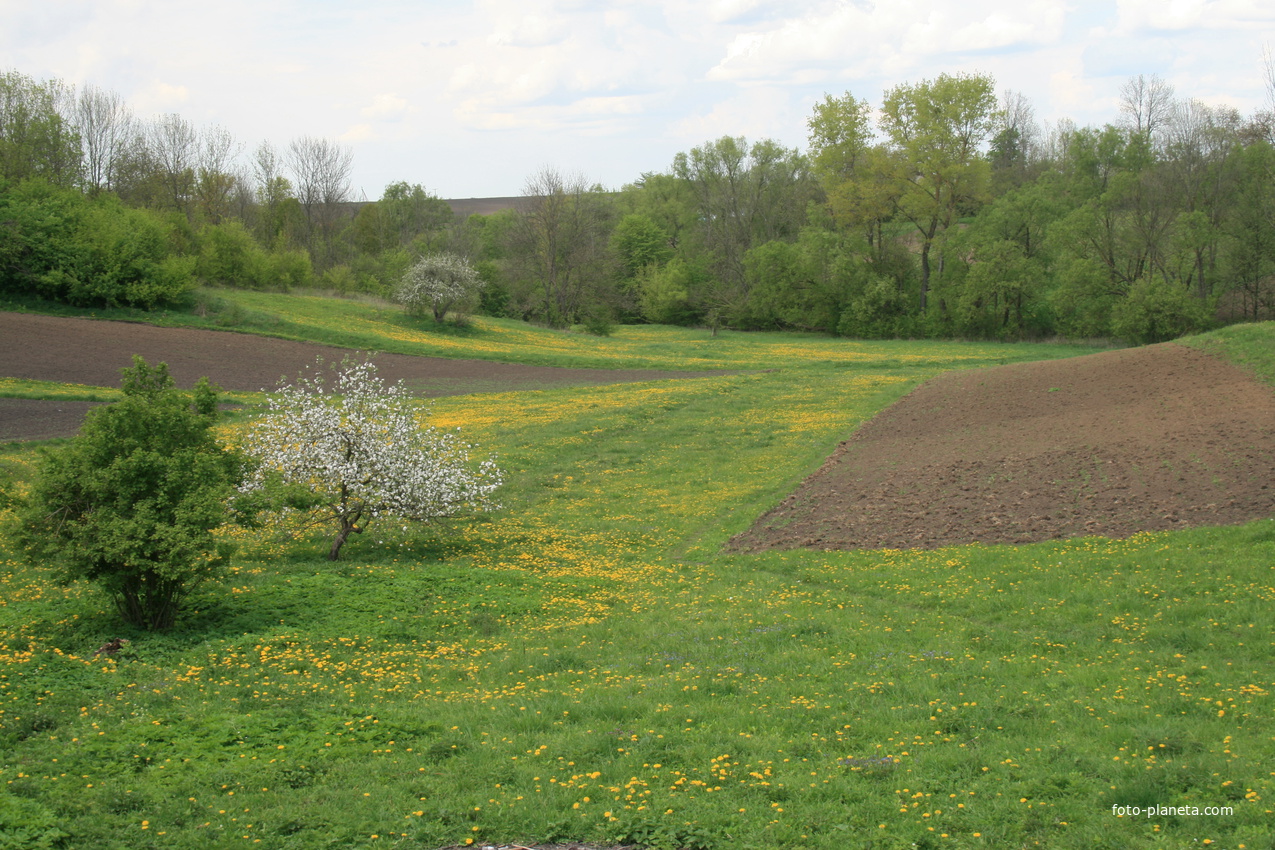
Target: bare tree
x=1016 y=140
x=267 y=166
x=273 y=190
x=1147 y=103
x=173 y=145
x=1201 y=142
x=562 y=225
x=1264 y=122
x=216 y=183
x=108 y=134
x=321 y=171
x=1268 y=76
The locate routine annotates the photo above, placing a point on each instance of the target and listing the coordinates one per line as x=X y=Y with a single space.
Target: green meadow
x=589 y=664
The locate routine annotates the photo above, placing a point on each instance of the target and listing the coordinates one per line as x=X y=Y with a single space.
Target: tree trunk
x=348 y=526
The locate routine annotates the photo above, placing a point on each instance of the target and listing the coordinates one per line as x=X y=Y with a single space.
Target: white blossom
x=437 y=283
x=362 y=452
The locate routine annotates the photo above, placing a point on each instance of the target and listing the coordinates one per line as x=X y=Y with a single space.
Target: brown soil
x=1110 y=444
x=89 y=351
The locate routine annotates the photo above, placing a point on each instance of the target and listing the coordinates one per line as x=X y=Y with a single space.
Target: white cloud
x=358 y=133
x=1192 y=14
x=760 y=112
x=160 y=97
x=386 y=107
x=845 y=38
x=413 y=84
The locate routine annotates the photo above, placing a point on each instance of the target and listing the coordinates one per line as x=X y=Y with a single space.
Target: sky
x=470 y=99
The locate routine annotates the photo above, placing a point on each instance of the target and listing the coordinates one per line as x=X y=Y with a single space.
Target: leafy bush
x=665 y=292
x=228 y=255
x=131 y=503
x=282 y=269
x=1155 y=311
x=61 y=245
x=27 y=825
x=877 y=313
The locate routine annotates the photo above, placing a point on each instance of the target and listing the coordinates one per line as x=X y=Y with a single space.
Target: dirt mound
x=1109 y=444
x=89 y=351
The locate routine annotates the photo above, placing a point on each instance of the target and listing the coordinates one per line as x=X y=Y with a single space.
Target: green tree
x=36 y=139
x=1251 y=228
x=745 y=195
x=1157 y=311
x=639 y=242
x=856 y=174
x=407 y=211
x=935 y=129
x=131 y=503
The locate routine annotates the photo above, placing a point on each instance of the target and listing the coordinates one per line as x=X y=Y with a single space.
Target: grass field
x=587 y=664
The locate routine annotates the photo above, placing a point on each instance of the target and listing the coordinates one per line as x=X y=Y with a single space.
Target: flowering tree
x=438 y=283
x=361 y=453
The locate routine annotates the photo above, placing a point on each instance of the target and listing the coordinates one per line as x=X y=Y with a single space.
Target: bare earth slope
x=88 y=351
x=1109 y=444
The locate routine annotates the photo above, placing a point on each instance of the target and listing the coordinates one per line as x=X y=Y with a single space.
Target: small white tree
x=438 y=283
x=362 y=453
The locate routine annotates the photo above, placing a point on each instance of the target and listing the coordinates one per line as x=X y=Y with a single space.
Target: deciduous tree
x=321 y=177
x=36 y=137
x=562 y=234
x=936 y=128
x=361 y=453
x=438 y=283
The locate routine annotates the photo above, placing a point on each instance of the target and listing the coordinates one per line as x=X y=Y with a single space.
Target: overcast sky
x=470 y=98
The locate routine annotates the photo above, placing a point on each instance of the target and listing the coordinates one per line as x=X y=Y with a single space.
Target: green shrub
x=131 y=503
x=87 y=252
x=1155 y=311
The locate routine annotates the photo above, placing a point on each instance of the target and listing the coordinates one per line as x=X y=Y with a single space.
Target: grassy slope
x=374 y=325
x=1249 y=346
x=587 y=664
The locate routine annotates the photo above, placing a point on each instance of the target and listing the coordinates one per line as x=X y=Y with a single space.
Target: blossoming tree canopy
x=438 y=283
x=360 y=452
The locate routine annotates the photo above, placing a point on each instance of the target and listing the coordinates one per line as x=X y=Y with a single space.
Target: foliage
x=36 y=137
x=1156 y=311
x=1174 y=190
x=744 y=194
x=438 y=283
x=361 y=454
x=664 y=292
x=132 y=502
x=27 y=825
x=935 y=129
x=87 y=252
x=876 y=313
x=640 y=242
x=560 y=239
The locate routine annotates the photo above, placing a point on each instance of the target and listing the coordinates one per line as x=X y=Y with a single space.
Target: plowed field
x=1109 y=444
x=87 y=351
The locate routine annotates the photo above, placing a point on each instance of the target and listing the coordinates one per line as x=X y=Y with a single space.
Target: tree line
x=944 y=210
